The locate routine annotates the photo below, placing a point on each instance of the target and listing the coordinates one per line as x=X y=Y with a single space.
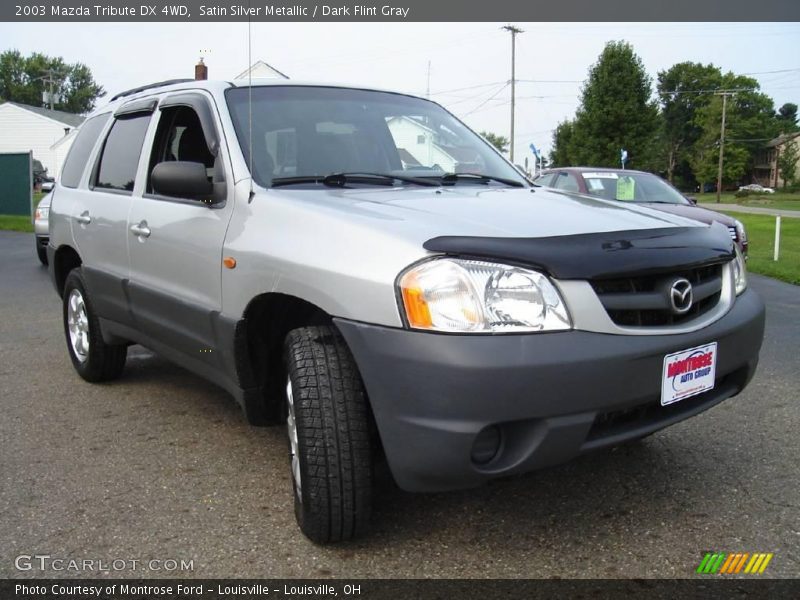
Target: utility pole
x=514 y=31
x=49 y=78
x=724 y=94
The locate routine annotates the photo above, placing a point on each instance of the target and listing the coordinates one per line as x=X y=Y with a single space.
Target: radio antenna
x=250 y=98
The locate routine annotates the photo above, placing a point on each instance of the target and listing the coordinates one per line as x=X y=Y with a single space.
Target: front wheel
x=329 y=436
x=41 y=252
x=93 y=359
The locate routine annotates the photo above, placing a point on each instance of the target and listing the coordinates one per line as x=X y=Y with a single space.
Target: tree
x=787 y=117
x=562 y=141
x=498 y=141
x=22 y=80
x=787 y=162
x=681 y=91
x=750 y=121
x=616 y=111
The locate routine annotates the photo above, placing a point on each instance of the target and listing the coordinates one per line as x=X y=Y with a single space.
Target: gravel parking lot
x=161 y=465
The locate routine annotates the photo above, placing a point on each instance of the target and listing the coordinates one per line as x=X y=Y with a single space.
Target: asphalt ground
x=161 y=465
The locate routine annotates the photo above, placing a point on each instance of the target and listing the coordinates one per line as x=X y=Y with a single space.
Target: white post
x=777 y=237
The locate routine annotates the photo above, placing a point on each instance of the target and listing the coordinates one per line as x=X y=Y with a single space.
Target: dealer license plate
x=688 y=373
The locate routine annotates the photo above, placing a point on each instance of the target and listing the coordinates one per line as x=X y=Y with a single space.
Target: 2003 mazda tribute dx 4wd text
x=361 y=267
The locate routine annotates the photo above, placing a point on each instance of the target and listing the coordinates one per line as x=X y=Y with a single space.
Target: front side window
x=180 y=137
x=80 y=150
x=120 y=158
x=306 y=131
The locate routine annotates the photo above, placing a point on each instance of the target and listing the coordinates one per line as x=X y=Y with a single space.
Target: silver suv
x=363 y=268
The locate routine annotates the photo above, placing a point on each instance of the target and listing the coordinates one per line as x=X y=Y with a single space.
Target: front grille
x=645 y=301
x=651 y=415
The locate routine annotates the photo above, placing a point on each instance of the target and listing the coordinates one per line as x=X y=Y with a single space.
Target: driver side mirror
x=182 y=179
x=692 y=200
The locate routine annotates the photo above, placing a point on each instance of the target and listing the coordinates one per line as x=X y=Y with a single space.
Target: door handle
x=141 y=230
x=84 y=218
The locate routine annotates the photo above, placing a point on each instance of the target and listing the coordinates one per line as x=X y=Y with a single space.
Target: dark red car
x=639 y=187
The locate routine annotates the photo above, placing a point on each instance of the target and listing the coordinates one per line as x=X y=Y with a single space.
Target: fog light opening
x=486 y=445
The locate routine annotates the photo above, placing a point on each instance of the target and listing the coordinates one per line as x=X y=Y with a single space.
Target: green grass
x=16 y=223
x=779 y=200
x=761 y=235
x=21 y=222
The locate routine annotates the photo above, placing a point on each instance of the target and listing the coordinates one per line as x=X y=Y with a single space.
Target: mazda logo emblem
x=680 y=296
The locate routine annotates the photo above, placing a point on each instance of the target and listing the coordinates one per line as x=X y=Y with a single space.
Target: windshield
x=631 y=187
x=305 y=131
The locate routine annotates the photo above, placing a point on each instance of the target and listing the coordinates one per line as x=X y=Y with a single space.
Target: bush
x=742 y=194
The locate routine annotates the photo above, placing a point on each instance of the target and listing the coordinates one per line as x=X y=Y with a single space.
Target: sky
x=470 y=63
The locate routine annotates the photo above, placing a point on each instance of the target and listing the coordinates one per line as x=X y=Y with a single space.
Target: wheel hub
x=78 y=325
x=291 y=427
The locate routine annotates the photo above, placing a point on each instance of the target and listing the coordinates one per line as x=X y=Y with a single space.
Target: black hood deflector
x=601 y=255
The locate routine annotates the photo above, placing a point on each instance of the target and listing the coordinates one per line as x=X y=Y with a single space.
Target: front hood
x=473 y=210
x=698 y=213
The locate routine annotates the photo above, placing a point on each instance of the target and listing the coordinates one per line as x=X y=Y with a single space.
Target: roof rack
x=148 y=87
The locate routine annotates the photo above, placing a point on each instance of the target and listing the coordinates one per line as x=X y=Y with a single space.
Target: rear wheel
x=329 y=438
x=93 y=359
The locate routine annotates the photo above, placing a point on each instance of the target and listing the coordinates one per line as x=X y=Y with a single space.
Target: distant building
x=419 y=145
x=47 y=133
x=766 y=171
x=260 y=70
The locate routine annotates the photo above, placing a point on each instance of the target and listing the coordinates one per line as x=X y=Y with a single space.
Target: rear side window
x=81 y=148
x=120 y=158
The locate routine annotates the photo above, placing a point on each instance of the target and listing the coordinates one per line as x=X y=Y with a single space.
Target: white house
x=47 y=133
x=259 y=70
x=420 y=145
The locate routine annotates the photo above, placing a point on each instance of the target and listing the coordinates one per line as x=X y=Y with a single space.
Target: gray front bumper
x=551 y=395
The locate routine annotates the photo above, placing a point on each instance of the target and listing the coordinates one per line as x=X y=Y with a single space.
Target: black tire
x=334 y=455
x=102 y=362
x=41 y=252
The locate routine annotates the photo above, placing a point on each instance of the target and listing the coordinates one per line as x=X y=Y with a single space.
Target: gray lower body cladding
x=550 y=396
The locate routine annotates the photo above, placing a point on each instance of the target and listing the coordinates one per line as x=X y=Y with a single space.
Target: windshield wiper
x=452 y=178
x=342 y=179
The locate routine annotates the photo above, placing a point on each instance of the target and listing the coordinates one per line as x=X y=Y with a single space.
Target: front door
x=175 y=243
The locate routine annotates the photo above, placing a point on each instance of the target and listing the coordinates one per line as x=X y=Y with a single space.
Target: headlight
x=41 y=213
x=741 y=232
x=469 y=296
x=739 y=272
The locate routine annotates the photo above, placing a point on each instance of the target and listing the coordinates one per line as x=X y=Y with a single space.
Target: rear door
x=99 y=214
x=176 y=242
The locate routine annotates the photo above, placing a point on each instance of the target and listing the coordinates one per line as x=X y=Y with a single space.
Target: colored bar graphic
x=732 y=563
x=727 y=565
x=741 y=562
x=764 y=564
x=718 y=564
x=703 y=563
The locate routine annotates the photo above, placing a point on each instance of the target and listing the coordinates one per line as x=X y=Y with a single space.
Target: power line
x=717 y=91
x=471 y=87
x=771 y=72
x=489 y=99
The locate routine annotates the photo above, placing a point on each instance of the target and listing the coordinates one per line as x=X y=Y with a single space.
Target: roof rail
x=148 y=87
